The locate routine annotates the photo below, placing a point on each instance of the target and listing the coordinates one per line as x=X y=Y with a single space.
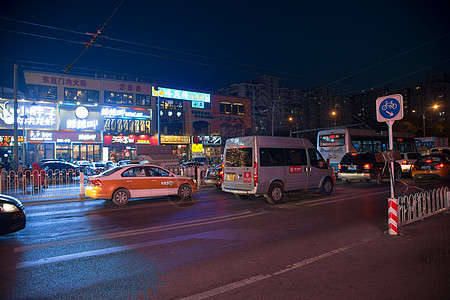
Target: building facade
x=86 y=118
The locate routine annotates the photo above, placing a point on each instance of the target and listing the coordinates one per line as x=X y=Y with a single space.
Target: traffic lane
x=169 y=257
x=414 y=266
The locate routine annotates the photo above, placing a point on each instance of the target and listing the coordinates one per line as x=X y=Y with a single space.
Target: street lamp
x=333 y=113
x=423 y=116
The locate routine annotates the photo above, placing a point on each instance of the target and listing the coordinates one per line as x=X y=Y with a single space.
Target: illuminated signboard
x=130 y=139
x=175 y=139
x=8 y=141
x=207 y=140
x=37 y=135
x=30 y=116
x=180 y=94
x=112 y=112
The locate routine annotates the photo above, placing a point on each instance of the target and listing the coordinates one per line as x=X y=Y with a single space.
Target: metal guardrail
x=34 y=184
x=415 y=207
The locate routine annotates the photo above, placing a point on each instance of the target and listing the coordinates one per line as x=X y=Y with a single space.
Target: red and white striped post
x=392 y=217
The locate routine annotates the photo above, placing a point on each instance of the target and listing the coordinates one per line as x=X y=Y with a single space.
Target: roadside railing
x=34 y=184
x=423 y=204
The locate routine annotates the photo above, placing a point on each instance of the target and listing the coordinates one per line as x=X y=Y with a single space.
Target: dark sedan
x=12 y=215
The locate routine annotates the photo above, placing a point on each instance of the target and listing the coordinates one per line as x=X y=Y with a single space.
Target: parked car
x=214 y=176
x=59 y=166
x=12 y=215
x=99 y=167
x=83 y=164
x=445 y=150
x=201 y=159
x=124 y=162
x=61 y=170
x=365 y=166
x=407 y=159
x=434 y=165
x=138 y=181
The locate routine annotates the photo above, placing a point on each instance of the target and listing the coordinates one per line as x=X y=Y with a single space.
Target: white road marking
x=154 y=229
x=322 y=201
x=257 y=278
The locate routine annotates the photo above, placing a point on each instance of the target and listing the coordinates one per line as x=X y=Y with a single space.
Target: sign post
x=390 y=109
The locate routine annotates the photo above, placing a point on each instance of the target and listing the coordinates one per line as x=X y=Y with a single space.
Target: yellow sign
x=197 y=147
x=175 y=139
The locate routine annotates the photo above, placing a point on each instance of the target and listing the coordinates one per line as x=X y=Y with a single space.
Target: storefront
x=180 y=145
x=31 y=116
x=70 y=146
x=209 y=146
x=120 y=147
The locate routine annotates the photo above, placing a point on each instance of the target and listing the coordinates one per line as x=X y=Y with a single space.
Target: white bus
x=270 y=166
x=333 y=144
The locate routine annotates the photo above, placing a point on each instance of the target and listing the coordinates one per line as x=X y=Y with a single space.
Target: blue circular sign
x=389 y=108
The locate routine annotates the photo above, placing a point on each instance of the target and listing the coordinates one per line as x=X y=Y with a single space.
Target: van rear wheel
x=275 y=194
x=327 y=187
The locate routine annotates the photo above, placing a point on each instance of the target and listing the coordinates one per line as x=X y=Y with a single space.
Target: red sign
x=130 y=139
x=247 y=176
x=295 y=169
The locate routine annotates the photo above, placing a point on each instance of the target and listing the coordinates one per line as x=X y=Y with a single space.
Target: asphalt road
x=217 y=247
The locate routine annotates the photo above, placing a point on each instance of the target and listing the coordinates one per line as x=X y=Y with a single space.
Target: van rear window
x=238 y=157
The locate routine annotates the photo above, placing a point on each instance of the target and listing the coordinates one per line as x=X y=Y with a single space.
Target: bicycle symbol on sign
x=391 y=105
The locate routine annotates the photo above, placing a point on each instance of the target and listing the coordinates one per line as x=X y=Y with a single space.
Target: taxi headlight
x=8 y=208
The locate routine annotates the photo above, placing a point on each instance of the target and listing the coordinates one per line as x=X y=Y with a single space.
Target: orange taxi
x=138 y=181
x=434 y=165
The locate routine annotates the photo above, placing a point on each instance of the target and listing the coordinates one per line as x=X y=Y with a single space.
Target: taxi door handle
x=129 y=180
x=154 y=180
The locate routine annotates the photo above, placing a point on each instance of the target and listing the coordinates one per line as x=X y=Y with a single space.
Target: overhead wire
x=205 y=57
x=96 y=35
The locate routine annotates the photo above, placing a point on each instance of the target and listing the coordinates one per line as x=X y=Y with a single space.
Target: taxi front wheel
x=185 y=191
x=121 y=197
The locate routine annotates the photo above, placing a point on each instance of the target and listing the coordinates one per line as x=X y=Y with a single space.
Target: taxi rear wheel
x=121 y=197
x=185 y=191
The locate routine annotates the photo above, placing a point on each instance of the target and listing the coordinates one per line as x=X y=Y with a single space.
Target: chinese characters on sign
x=29 y=115
x=126 y=126
x=63 y=81
x=295 y=169
x=180 y=95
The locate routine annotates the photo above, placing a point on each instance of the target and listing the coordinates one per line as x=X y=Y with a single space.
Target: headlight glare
x=8 y=208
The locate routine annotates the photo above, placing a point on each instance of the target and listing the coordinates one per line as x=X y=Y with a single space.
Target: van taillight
x=404 y=162
x=255 y=173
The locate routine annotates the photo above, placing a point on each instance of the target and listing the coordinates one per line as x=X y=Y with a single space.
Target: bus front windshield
x=332 y=140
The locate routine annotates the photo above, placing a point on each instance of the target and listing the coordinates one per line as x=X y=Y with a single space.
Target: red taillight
x=413 y=166
x=255 y=173
x=404 y=162
x=440 y=166
x=368 y=166
x=96 y=182
x=428 y=161
x=339 y=167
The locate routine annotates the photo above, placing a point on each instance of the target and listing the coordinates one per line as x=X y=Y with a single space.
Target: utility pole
x=16 y=139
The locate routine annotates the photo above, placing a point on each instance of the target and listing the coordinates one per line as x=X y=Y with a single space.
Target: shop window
x=225 y=107
x=80 y=95
x=118 y=98
x=143 y=100
x=41 y=92
x=171 y=104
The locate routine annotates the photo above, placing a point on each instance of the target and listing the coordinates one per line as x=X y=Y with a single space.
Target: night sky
x=207 y=45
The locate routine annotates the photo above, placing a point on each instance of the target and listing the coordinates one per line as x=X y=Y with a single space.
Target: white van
x=270 y=166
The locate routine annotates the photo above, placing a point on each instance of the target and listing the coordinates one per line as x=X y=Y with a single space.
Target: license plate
x=352 y=168
x=426 y=168
x=230 y=177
